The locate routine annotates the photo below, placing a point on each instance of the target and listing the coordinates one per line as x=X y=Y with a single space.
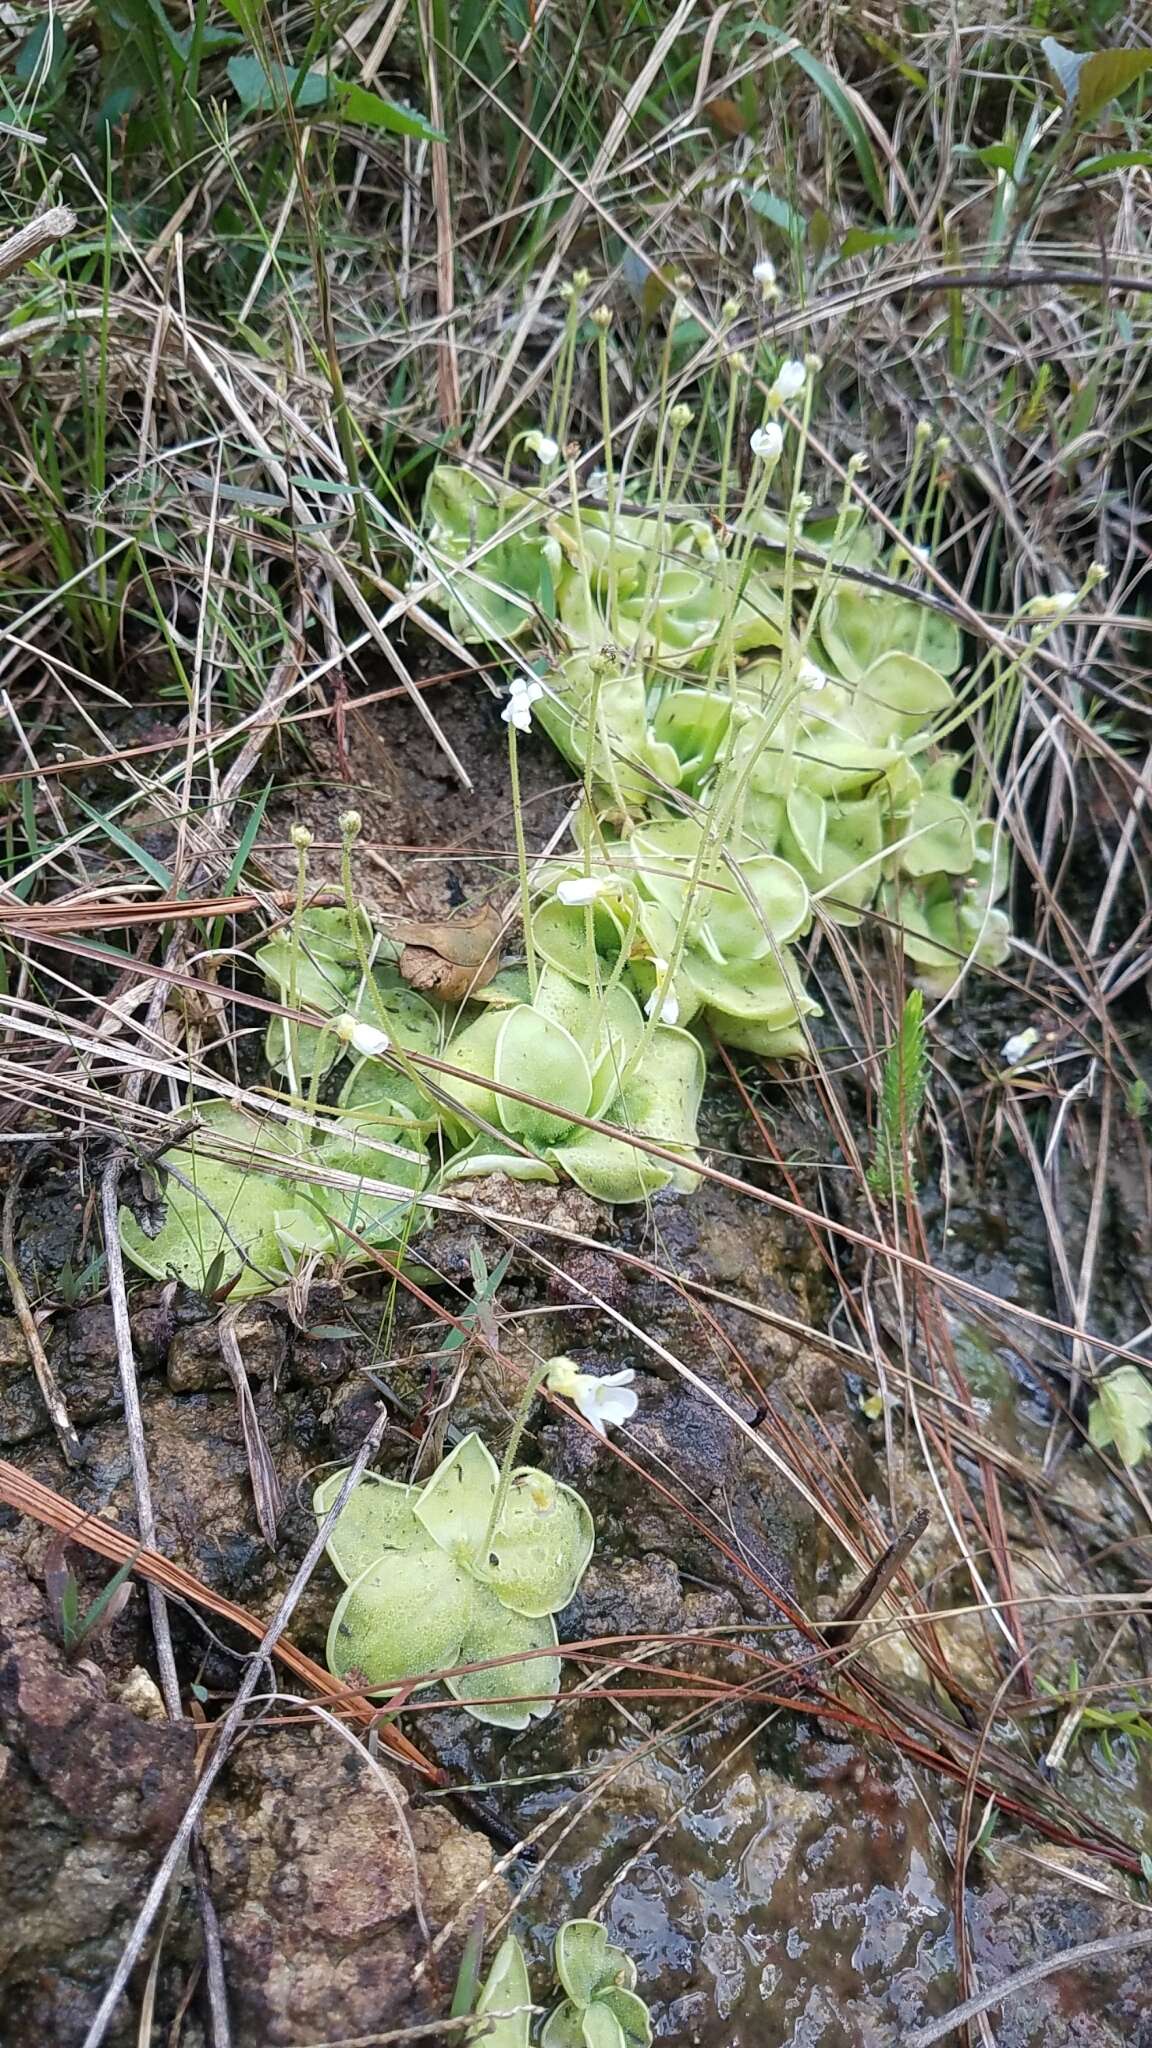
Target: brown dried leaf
x=449 y=958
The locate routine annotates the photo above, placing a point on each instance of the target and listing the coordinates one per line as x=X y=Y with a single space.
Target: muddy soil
x=776 y=1882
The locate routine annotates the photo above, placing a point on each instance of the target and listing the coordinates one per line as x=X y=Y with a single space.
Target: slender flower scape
x=767 y=443
x=578 y=890
x=524 y=693
x=607 y=1403
x=791 y=378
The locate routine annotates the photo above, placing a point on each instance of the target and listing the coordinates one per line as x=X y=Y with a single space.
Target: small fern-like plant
x=902 y=1092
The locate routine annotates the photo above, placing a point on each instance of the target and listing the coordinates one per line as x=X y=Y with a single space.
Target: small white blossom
x=767 y=443
x=810 y=676
x=791 y=378
x=1018 y=1047
x=1055 y=607
x=544 y=448
x=580 y=889
x=363 y=1038
x=662 y=997
x=606 y=1402
x=518 y=710
x=764 y=272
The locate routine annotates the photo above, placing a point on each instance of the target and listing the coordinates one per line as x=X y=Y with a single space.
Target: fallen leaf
x=449 y=958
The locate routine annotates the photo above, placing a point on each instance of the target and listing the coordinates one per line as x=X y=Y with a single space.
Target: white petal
x=367 y=1039
x=791 y=378
x=767 y=443
x=579 y=889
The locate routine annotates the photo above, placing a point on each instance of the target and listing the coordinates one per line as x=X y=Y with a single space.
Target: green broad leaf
x=239 y=1239
x=541 y=1546
x=317 y=1051
x=897 y=696
x=1112 y=160
x=404 y=1617
x=807 y=816
x=1105 y=75
x=694 y=723
x=559 y=932
x=740 y=929
x=320 y=984
x=789 y=1042
x=582 y=1957
x=541 y=1058
x=998 y=156
x=481 y=1158
x=258 y=90
x=600 y=2026
x=630 y=2013
x=858 y=241
x=940 y=837
x=1121 y=1414
x=507 y=1695
x=858 y=626
x=367 y=110
x=563 y=2028
x=473 y=1050
x=770 y=206
x=506 y=1987
x=370 y=1142
x=609 y=1168
x=764 y=991
x=592 y=1019
x=850 y=869
x=377 y=1516
x=455 y=1505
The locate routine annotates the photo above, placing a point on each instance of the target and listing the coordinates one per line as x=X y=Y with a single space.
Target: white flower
x=1055 y=607
x=1018 y=1047
x=791 y=378
x=518 y=710
x=668 y=1004
x=764 y=272
x=810 y=676
x=544 y=448
x=767 y=443
x=580 y=889
x=607 y=1402
x=363 y=1038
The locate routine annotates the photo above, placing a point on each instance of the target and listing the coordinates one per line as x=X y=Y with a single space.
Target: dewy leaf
x=630 y=2013
x=456 y=1503
x=858 y=626
x=1105 y=75
x=581 y=1958
x=192 y=1240
x=377 y=1516
x=365 y=1142
x=405 y=1616
x=540 y=1547
x=563 y=2028
x=539 y=1057
x=600 y=2026
x=506 y=1987
x=506 y=1695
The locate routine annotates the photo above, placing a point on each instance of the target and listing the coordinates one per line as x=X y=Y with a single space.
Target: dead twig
x=1065 y=1959
x=34 y=237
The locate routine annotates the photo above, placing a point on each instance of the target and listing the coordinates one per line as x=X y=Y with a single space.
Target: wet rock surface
x=90 y=1795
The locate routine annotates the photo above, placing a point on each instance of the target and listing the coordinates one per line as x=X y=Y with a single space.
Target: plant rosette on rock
x=452 y=1573
x=232 y=1220
x=583 y=1052
x=601 y=2009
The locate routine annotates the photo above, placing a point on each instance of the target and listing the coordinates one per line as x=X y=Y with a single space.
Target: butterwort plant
x=601 y=2007
x=469 y=1569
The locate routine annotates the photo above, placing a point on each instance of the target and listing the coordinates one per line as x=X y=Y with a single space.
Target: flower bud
x=350 y=825
x=301 y=838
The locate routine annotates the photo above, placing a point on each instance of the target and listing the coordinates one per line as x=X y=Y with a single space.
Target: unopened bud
x=301 y=838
